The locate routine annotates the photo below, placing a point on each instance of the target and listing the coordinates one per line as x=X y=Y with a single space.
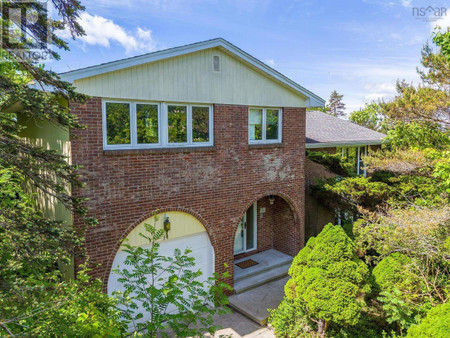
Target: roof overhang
x=312 y=100
x=342 y=144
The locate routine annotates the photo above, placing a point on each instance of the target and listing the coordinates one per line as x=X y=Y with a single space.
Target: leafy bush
x=54 y=308
x=417 y=135
x=328 y=283
x=168 y=291
x=435 y=325
x=332 y=162
x=291 y=320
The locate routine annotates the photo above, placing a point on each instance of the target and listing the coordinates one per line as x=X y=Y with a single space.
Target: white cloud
x=270 y=62
x=103 y=32
x=406 y=3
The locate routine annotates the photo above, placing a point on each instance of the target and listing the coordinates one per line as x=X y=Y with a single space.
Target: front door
x=245 y=238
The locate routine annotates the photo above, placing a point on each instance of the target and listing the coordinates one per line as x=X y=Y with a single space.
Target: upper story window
x=139 y=125
x=264 y=125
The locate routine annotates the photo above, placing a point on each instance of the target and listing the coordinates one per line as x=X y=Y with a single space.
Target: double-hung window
x=140 y=125
x=264 y=125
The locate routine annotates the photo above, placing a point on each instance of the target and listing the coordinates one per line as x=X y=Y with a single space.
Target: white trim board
x=312 y=99
x=341 y=144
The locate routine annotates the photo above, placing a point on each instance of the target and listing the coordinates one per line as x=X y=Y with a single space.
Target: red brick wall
x=275 y=228
x=216 y=185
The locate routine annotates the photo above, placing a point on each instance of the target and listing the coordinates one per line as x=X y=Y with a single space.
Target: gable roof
x=313 y=100
x=324 y=130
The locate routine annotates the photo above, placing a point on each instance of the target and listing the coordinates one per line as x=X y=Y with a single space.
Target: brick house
x=206 y=142
x=205 y=136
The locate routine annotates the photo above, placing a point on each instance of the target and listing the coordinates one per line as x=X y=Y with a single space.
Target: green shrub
x=332 y=162
x=328 y=283
x=435 y=325
x=290 y=319
x=401 y=292
x=76 y=308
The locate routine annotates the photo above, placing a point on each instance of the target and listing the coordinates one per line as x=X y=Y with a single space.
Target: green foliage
x=359 y=191
x=56 y=308
x=168 y=290
x=34 y=299
x=372 y=117
x=290 y=319
x=332 y=162
x=442 y=40
x=413 y=274
x=328 y=280
x=417 y=135
x=436 y=324
x=402 y=292
x=419 y=104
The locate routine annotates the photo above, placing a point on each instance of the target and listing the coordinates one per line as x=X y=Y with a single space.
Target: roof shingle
x=324 y=130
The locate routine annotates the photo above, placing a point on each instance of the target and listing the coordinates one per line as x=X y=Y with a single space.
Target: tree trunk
x=322 y=328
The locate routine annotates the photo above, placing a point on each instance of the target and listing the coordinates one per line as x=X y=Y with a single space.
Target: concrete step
x=254 y=303
x=261 y=277
x=262 y=268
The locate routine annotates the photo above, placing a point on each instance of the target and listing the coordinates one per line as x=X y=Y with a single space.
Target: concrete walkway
x=255 y=302
x=236 y=325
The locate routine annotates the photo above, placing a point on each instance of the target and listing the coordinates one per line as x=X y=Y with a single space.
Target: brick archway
x=278 y=228
x=143 y=217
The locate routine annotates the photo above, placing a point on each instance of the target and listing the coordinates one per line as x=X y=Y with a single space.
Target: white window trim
x=264 y=113
x=255 y=232
x=163 y=136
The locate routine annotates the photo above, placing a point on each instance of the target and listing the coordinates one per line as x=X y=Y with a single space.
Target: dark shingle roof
x=324 y=130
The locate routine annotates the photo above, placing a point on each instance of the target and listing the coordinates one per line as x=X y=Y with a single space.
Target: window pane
x=255 y=124
x=200 y=124
x=272 y=124
x=117 y=123
x=147 y=123
x=177 y=124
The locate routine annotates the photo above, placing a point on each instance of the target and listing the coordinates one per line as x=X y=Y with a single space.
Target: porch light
x=271 y=199
x=167 y=226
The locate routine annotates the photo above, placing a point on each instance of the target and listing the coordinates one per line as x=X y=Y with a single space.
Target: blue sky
x=358 y=48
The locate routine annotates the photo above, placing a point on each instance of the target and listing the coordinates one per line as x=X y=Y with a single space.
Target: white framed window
x=264 y=125
x=141 y=125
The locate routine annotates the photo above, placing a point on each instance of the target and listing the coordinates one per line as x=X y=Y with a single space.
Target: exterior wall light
x=271 y=199
x=167 y=226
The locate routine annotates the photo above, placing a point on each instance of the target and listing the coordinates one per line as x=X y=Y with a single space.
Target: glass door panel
x=239 y=243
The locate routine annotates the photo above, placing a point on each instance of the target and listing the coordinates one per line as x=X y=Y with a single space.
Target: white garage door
x=199 y=243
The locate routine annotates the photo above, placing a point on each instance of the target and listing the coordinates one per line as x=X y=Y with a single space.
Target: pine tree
x=335 y=105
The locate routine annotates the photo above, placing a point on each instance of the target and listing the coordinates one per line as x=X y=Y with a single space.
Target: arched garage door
x=186 y=232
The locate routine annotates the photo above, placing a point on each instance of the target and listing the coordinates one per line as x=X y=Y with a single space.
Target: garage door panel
x=202 y=252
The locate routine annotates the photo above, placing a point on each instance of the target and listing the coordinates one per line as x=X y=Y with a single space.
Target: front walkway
x=255 y=302
x=236 y=325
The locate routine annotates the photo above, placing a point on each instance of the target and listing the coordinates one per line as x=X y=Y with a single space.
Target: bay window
x=264 y=125
x=140 y=125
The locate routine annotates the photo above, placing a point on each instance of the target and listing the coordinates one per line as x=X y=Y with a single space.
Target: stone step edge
x=260 y=282
x=258 y=272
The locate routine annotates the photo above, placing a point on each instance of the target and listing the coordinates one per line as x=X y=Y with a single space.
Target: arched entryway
x=186 y=231
x=269 y=223
x=265 y=241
